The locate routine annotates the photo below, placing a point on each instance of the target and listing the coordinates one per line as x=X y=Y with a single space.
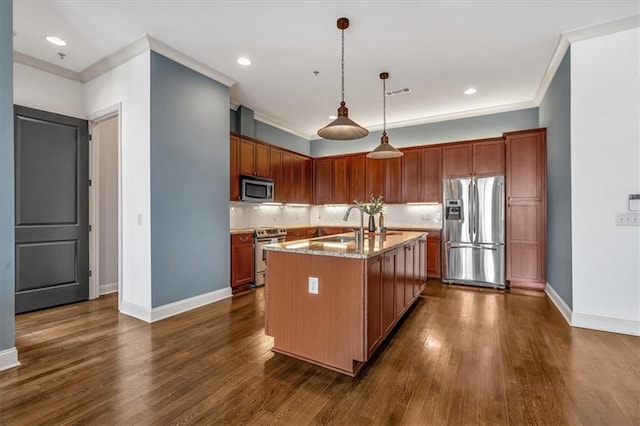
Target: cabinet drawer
x=242 y=238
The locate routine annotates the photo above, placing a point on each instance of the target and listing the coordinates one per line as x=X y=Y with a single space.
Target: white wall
x=105 y=139
x=605 y=164
x=41 y=90
x=129 y=84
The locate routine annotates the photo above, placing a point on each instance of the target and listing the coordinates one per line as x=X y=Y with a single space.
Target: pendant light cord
x=342 y=65
x=384 y=106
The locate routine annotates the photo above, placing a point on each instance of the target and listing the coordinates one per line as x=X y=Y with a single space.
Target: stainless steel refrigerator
x=473 y=231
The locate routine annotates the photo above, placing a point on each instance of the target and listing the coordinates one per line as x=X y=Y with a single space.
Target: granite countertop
x=342 y=225
x=332 y=246
x=234 y=231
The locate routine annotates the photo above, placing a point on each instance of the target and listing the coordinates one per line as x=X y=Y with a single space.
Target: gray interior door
x=52 y=193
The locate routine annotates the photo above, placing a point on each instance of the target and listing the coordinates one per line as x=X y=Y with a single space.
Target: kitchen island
x=332 y=302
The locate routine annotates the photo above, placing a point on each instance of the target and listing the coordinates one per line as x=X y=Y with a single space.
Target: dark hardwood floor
x=462 y=356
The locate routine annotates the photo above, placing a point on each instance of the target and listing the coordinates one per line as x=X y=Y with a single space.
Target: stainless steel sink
x=335 y=239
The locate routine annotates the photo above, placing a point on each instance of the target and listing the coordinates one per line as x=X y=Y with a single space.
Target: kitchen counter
x=332 y=304
x=341 y=246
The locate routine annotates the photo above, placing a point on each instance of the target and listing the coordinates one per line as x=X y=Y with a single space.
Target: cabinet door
x=357 y=178
x=374 y=302
x=262 y=161
x=456 y=160
x=375 y=178
x=242 y=261
x=525 y=247
x=526 y=165
x=275 y=166
x=340 y=181
x=408 y=274
x=400 y=281
x=307 y=186
x=247 y=157
x=323 y=175
x=286 y=188
x=234 y=172
x=488 y=158
x=412 y=176
x=388 y=290
x=422 y=259
x=392 y=180
x=433 y=257
x=432 y=175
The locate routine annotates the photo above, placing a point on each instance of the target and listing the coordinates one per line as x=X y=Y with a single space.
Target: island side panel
x=326 y=328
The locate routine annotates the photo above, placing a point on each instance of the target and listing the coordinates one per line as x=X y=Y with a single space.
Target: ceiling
x=436 y=48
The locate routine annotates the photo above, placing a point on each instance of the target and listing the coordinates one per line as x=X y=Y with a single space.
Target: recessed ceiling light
x=244 y=61
x=470 y=91
x=332 y=117
x=56 y=40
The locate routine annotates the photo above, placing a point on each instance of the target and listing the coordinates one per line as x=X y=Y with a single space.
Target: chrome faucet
x=359 y=233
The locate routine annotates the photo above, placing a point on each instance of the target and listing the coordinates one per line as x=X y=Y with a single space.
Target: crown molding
x=174 y=54
x=45 y=66
x=585 y=33
x=271 y=122
x=115 y=59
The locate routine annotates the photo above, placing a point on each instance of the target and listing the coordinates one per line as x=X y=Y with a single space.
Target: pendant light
x=384 y=150
x=343 y=128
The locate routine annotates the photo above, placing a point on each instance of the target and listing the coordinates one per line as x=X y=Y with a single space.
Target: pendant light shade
x=384 y=150
x=343 y=128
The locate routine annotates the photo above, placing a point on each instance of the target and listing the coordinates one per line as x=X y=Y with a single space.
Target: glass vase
x=372 y=223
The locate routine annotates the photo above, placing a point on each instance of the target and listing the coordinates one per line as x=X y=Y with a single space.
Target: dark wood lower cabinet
x=242 y=261
x=433 y=256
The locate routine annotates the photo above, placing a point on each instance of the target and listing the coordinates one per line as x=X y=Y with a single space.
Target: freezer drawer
x=474 y=264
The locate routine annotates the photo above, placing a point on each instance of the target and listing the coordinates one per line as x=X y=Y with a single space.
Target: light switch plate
x=627 y=219
x=313 y=285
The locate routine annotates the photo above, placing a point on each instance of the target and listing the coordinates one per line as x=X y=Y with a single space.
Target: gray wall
x=283 y=139
x=484 y=126
x=273 y=135
x=7 y=261
x=189 y=183
x=555 y=115
x=107 y=142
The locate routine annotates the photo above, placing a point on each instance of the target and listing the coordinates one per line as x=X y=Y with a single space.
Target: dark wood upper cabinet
x=488 y=158
x=375 y=178
x=341 y=180
x=526 y=166
x=234 y=171
x=323 y=180
x=432 y=175
x=412 y=179
x=286 y=188
x=481 y=158
x=254 y=158
x=357 y=177
x=392 y=180
x=275 y=166
x=457 y=160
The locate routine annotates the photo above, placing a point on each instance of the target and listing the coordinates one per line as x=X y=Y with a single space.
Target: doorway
x=104 y=205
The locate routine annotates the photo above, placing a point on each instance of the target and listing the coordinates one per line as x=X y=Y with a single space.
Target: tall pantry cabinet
x=526 y=191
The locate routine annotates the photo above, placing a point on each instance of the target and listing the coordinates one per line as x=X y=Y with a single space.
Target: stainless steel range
x=263 y=237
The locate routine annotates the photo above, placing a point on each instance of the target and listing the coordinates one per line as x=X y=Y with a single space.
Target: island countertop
x=343 y=245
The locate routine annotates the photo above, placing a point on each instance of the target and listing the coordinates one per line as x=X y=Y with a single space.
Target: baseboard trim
x=560 y=304
x=108 y=288
x=175 y=308
x=613 y=325
x=9 y=359
x=135 y=311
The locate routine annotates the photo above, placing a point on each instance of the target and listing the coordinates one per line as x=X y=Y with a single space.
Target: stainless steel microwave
x=256 y=190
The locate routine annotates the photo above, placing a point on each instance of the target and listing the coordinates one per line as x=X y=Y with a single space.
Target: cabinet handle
x=244 y=238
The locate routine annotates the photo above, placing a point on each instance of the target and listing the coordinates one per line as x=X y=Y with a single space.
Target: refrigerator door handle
x=476 y=216
x=468 y=245
x=470 y=208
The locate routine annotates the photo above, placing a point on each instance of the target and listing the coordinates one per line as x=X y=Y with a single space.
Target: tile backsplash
x=250 y=215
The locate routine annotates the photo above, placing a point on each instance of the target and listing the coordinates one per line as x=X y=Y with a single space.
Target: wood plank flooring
x=462 y=356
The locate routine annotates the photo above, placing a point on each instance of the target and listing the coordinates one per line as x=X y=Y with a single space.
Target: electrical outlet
x=313 y=285
x=627 y=219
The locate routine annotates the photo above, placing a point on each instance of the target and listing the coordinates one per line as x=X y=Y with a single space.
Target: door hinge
x=90 y=228
x=90 y=137
x=90 y=272
x=90 y=182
